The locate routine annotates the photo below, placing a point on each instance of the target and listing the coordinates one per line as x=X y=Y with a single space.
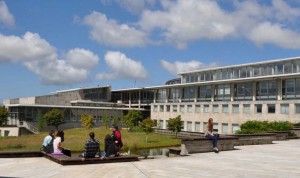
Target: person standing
x=210 y=135
x=117 y=139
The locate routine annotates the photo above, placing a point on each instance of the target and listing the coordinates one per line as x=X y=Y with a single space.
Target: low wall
x=281 y=135
x=255 y=139
x=200 y=145
x=181 y=134
x=296 y=130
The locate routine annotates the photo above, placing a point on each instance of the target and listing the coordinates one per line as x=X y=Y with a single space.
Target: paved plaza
x=281 y=159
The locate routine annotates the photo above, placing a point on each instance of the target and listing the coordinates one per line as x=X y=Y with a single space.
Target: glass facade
x=247 y=71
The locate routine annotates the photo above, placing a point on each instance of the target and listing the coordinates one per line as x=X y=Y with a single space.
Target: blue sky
x=46 y=46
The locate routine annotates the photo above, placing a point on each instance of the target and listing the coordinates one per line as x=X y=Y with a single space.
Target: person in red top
x=117 y=139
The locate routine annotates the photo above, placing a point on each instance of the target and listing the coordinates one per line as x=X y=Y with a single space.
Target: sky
x=48 y=46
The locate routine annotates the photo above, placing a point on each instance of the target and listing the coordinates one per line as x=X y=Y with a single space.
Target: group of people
x=113 y=143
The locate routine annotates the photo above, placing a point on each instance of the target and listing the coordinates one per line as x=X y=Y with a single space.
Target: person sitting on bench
x=91 y=147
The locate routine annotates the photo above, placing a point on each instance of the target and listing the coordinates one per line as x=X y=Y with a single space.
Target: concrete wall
x=9 y=131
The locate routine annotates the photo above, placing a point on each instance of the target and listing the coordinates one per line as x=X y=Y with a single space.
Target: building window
x=189 y=126
x=181 y=108
x=161 y=108
x=235 y=108
x=182 y=123
x=271 y=108
x=155 y=108
x=174 y=108
x=225 y=108
x=168 y=108
x=284 y=108
x=266 y=90
x=222 y=92
x=197 y=108
x=297 y=108
x=174 y=95
x=197 y=126
x=243 y=91
x=188 y=94
x=258 y=108
x=291 y=88
x=204 y=126
x=216 y=108
x=216 y=127
x=161 y=95
x=235 y=127
x=189 y=108
x=224 y=128
x=204 y=93
x=206 y=108
x=246 y=108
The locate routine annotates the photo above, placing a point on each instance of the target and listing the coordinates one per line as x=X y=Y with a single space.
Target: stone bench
x=66 y=160
x=202 y=144
x=20 y=154
x=280 y=135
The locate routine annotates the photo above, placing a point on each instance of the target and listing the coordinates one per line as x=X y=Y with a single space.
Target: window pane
x=271 y=108
x=197 y=126
x=224 y=128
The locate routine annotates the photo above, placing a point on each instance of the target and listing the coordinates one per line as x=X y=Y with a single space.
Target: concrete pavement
x=281 y=159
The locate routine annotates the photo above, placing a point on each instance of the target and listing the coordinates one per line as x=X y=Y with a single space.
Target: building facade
x=231 y=95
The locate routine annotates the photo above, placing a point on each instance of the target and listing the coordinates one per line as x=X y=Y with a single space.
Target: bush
x=297 y=124
x=253 y=127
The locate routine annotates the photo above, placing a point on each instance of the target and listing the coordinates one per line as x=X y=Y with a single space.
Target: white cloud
x=41 y=58
x=181 y=22
x=81 y=58
x=109 y=32
x=6 y=17
x=186 y=21
x=122 y=67
x=285 y=12
x=267 y=33
x=178 y=66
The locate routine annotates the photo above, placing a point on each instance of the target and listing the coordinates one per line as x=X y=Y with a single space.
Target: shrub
x=252 y=127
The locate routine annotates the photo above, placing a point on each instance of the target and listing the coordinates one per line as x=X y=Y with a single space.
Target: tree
x=40 y=121
x=87 y=121
x=132 y=118
x=114 y=122
x=54 y=117
x=147 y=126
x=3 y=115
x=175 y=124
x=106 y=121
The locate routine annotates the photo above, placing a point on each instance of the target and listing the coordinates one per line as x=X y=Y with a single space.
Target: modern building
x=231 y=95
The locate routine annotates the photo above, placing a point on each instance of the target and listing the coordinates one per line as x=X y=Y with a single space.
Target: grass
x=75 y=139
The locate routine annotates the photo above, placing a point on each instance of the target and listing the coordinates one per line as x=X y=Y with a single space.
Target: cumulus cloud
x=41 y=58
x=179 y=67
x=122 y=67
x=110 y=32
x=267 y=33
x=6 y=17
x=185 y=21
x=182 y=22
x=81 y=58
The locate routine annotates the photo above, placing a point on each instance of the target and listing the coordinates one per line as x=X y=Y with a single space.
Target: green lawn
x=75 y=138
